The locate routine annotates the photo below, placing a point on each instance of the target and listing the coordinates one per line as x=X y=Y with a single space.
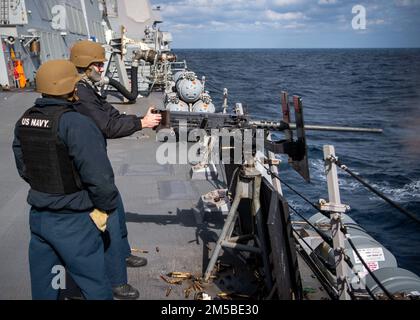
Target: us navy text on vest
x=36 y=123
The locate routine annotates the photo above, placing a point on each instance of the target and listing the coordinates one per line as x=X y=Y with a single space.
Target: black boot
x=125 y=292
x=135 y=262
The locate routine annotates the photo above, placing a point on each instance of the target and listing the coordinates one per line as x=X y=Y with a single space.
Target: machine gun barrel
x=219 y=121
x=342 y=129
x=280 y=126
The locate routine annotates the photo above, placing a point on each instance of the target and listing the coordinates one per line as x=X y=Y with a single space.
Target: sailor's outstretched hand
x=152 y=119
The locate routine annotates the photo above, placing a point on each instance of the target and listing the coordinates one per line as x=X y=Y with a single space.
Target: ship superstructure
x=36 y=31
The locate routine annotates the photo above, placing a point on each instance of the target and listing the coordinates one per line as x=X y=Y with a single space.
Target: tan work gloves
x=100 y=219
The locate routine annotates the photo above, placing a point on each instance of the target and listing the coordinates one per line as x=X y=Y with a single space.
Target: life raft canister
x=19 y=73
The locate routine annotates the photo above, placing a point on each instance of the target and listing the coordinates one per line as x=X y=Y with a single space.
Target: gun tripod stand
x=248 y=187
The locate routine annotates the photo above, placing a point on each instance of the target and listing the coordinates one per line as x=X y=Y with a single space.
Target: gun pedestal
x=248 y=187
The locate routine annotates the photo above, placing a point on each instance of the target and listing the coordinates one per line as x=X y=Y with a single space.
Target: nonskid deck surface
x=14 y=220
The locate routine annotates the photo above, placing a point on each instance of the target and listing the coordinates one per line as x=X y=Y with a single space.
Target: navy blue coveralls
x=113 y=125
x=62 y=232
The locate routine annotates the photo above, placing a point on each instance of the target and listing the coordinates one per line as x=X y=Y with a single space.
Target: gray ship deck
x=158 y=200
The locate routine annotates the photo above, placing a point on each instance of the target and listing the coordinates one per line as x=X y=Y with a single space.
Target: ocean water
x=366 y=88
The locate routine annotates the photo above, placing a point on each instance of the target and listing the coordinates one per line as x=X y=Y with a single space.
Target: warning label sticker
x=373 y=266
x=370 y=255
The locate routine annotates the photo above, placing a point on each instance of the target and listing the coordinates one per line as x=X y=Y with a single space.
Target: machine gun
x=258 y=222
x=295 y=148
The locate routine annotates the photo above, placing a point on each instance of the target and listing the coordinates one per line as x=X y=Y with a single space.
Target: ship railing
x=339 y=230
x=334 y=209
x=178 y=66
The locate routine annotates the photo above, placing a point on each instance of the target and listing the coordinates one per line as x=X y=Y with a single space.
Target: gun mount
x=258 y=221
x=294 y=144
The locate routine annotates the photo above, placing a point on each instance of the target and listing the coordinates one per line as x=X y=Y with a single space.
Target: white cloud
x=309 y=17
x=407 y=3
x=294 y=26
x=327 y=2
x=285 y=3
x=185 y=26
x=376 y=22
x=276 y=16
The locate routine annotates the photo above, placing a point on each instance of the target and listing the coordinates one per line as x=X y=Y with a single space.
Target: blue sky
x=290 y=23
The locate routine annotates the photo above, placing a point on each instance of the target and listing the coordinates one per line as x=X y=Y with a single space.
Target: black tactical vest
x=49 y=168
